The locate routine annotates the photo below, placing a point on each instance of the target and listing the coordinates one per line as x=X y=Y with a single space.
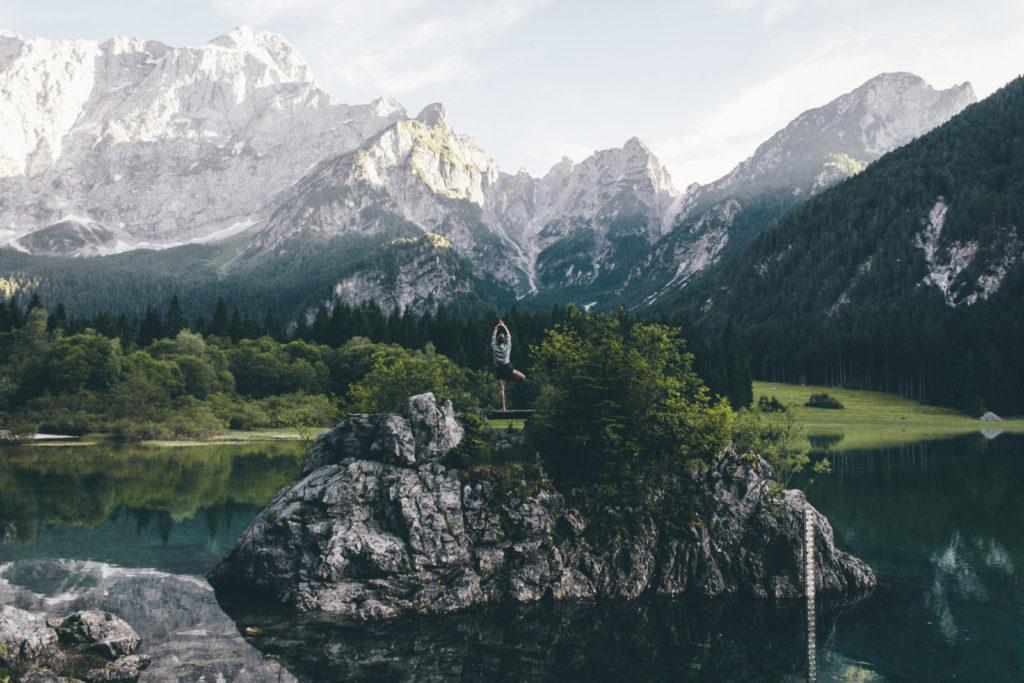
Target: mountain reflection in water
x=654 y=639
x=134 y=531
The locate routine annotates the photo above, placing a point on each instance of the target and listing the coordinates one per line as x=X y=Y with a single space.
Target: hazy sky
x=701 y=82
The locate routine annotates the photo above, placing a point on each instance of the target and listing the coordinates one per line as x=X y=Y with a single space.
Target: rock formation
x=379 y=527
x=91 y=645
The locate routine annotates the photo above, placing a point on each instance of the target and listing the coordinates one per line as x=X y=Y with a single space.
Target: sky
x=701 y=82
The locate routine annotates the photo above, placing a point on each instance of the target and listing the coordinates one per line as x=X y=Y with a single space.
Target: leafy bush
x=770 y=405
x=823 y=400
x=622 y=414
x=392 y=378
x=133 y=432
x=510 y=466
x=778 y=439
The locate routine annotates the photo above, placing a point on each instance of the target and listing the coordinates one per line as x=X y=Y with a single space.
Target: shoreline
x=874 y=419
x=229 y=438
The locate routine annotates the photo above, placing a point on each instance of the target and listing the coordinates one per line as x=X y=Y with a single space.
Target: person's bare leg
x=518 y=375
x=501 y=390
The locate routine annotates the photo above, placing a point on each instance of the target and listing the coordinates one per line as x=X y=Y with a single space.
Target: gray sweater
x=502 y=352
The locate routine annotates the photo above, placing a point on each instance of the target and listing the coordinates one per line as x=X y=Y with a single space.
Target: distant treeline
x=463 y=337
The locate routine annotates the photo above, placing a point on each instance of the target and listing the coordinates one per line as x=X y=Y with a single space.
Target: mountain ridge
x=235 y=143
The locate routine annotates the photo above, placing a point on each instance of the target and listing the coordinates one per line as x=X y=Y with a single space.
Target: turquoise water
x=943 y=526
x=135 y=532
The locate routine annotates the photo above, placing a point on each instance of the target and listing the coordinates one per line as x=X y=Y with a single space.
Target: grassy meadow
x=872 y=419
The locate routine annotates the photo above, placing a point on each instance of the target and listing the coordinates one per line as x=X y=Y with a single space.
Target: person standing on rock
x=501 y=350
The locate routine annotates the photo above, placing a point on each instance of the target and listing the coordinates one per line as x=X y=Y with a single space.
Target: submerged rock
x=98 y=633
x=378 y=528
x=93 y=646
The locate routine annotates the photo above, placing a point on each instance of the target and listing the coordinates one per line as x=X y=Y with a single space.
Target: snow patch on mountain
x=163 y=144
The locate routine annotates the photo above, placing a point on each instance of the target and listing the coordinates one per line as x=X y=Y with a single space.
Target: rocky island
x=381 y=525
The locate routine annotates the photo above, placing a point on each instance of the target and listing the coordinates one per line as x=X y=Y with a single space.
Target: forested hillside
x=905 y=278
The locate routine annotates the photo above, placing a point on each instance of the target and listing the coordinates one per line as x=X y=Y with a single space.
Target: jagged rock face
x=26 y=640
x=595 y=215
x=838 y=139
x=819 y=148
x=162 y=144
x=99 y=632
x=183 y=628
x=94 y=645
x=379 y=527
x=417 y=176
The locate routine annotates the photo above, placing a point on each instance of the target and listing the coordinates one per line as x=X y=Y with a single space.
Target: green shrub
x=133 y=432
x=392 y=379
x=510 y=466
x=770 y=405
x=622 y=413
x=823 y=400
x=776 y=438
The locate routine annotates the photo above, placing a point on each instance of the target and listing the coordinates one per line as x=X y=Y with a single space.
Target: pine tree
x=175 y=321
x=151 y=328
x=220 y=326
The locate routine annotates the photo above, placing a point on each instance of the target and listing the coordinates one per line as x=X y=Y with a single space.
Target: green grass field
x=872 y=419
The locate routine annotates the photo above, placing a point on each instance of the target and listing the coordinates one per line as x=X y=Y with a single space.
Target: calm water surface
x=135 y=531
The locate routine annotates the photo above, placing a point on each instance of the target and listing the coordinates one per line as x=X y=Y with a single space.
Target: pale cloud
x=773 y=11
x=713 y=143
x=390 y=45
x=543 y=158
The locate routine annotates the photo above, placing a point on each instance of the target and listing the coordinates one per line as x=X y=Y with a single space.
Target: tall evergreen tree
x=175 y=321
x=151 y=328
x=220 y=326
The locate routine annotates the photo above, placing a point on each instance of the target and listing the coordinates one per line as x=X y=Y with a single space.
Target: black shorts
x=504 y=371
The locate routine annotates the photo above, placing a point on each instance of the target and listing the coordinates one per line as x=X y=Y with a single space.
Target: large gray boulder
x=92 y=646
x=27 y=641
x=378 y=528
x=425 y=431
x=99 y=633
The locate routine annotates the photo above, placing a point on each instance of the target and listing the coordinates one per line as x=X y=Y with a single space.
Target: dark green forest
x=836 y=293
x=167 y=376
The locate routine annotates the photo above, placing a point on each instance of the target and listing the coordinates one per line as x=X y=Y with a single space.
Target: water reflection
x=729 y=640
x=175 y=509
x=181 y=625
x=942 y=525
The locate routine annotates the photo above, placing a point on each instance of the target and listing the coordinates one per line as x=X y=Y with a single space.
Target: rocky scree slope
x=378 y=527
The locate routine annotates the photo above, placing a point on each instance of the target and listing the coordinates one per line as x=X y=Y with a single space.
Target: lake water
x=134 y=532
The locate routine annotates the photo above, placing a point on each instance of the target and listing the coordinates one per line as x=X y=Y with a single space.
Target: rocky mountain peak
x=433 y=116
x=387 y=105
x=135 y=135
x=269 y=48
x=828 y=143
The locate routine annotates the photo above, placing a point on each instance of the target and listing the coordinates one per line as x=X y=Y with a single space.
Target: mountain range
x=233 y=163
